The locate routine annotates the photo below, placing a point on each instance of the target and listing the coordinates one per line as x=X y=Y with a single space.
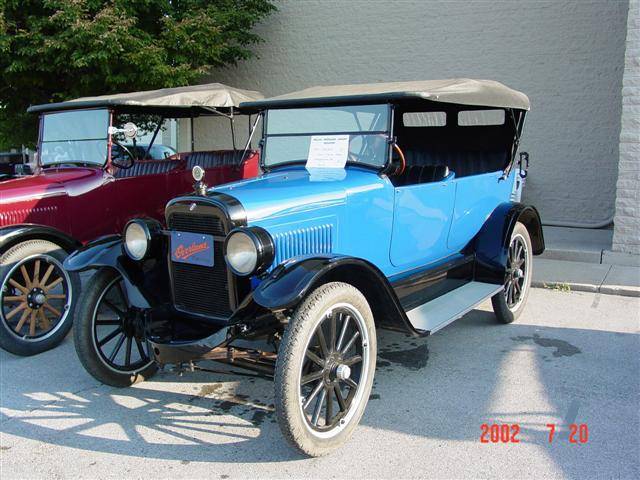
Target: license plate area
x=192 y=248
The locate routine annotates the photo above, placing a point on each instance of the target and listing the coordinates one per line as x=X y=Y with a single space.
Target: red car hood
x=50 y=182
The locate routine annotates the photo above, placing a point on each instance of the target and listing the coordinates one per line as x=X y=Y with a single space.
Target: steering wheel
x=123 y=166
x=403 y=162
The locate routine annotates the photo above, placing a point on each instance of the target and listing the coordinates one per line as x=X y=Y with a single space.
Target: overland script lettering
x=183 y=253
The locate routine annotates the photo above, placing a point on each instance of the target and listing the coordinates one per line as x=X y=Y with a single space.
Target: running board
x=440 y=312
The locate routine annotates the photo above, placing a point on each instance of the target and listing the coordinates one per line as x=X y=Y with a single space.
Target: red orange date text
x=508 y=433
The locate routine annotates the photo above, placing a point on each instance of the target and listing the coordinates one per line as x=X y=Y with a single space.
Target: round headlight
x=241 y=253
x=136 y=240
x=249 y=251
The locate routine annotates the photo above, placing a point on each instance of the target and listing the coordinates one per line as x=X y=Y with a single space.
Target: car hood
x=294 y=190
x=50 y=182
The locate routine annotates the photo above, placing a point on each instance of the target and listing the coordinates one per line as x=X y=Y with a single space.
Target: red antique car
x=96 y=169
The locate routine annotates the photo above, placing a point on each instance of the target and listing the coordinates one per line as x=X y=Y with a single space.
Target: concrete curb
x=585 y=287
x=586 y=277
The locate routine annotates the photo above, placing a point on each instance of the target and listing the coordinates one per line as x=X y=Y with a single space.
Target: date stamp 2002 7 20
x=508 y=433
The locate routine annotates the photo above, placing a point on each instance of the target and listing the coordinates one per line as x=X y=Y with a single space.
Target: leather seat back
x=207 y=160
x=462 y=163
x=212 y=159
x=415 y=174
x=147 y=167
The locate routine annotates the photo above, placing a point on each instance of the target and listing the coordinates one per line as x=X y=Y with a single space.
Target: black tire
x=333 y=307
x=106 y=283
x=509 y=303
x=34 y=330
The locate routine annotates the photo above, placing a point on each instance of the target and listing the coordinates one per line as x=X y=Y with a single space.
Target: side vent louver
x=303 y=241
x=31 y=215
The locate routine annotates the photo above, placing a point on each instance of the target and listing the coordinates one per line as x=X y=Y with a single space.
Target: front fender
x=290 y=283
x=14 y=234
x=98 y=253
x=107 y=252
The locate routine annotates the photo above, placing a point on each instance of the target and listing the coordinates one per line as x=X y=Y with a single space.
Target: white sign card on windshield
x=328 y=151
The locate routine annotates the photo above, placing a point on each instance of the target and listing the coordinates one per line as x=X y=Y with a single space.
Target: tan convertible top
x=196 y=98
x=462 y=91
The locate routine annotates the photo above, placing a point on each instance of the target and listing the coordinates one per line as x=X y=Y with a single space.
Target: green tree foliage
x=54 y=50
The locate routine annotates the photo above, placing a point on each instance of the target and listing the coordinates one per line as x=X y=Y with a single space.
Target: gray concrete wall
x=568 y=56
x=626 y=233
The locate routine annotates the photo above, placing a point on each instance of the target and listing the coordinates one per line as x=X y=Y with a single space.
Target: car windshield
x=156 y=152
x=78 y=136
x=292 y=133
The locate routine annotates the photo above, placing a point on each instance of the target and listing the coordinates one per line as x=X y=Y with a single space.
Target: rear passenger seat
x=212 y=159
x=147 y=167
x=462 y=163
x=414 y=174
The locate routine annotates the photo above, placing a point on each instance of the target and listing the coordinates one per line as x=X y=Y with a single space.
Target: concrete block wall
x=568 y=56
x=626 y=232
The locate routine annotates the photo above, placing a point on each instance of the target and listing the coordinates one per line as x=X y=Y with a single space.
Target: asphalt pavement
x=572 y=358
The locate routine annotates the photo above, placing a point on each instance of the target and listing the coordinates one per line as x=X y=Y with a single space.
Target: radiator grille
x=185 y=222
x=198 y=289
x=303 y=241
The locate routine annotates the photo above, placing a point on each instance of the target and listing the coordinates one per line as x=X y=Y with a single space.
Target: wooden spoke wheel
x=325 y=367
x=109 y=333
x=517 y=267
x=35 y=297
x=118 y=331
x=509 y=303
x=332 y=369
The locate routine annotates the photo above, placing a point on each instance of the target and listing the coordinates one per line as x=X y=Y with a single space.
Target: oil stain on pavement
x=412 y=359
x=255 y=410
x=563 y=348
x=221 y=400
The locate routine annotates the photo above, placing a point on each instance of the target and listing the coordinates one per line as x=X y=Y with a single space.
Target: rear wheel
x=37 y=297
x=325 y=369
x=109 y=334
x=509 y=303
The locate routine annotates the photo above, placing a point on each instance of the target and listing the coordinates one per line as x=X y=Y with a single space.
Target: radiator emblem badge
x=192 y=207
x=192 y=248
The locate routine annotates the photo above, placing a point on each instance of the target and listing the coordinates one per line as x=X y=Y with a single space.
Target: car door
x=89 y=204
x=143 y=191
x=476 y=197
x=421 y=221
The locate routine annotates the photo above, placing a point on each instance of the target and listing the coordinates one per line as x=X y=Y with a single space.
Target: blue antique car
x=390 y=205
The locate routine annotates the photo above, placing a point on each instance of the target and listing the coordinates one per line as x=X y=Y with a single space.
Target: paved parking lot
x=571 y=358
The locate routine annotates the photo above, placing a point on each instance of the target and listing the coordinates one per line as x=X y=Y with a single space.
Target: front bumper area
x=174 y=339
x=177 y=352
x=216 y=347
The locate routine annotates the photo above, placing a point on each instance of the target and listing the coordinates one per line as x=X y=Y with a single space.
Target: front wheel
x=37 y=297
x=509 y=303
x=325 y=367
x=109 y=334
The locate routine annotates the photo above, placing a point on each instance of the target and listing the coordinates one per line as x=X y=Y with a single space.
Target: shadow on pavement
x=474 y=372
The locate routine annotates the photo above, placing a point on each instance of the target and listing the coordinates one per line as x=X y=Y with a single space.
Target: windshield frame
x=388 y=132
x=41 y=120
